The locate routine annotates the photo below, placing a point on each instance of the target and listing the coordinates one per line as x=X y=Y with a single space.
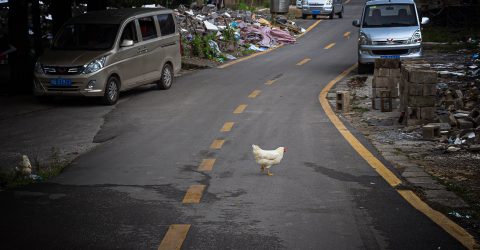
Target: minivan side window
x=147 y=27
x=129 y=32
x=167 y=25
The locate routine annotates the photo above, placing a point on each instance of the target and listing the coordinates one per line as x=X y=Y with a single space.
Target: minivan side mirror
x=126 y=43
x=425 y=20
x=356 y=23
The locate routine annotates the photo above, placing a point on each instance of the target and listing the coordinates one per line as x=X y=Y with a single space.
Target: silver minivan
x=388 y=29
x=321 y=8
x=101 y=53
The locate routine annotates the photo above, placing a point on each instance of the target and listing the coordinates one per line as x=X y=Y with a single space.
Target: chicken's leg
x=268 y=172
x=262 y=168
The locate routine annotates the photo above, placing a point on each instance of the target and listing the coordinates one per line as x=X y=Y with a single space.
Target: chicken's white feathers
x=268 y=158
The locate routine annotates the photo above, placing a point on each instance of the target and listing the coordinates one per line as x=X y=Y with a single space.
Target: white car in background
x=322 y=8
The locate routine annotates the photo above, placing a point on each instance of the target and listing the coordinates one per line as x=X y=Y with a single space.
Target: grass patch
x=360 y=109
x=52 y=167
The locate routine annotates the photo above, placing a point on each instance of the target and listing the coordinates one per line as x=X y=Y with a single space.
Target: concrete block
x=427 y=113
x=430 y=131
x=464 y=124
x=381 y=82
x=395 y=73
x=376 y=92
x=387 y=63
x=421 y=101
x=343 y=101
x=415 y=89
x=429 y=89
x=381 y=72
x=422 y=76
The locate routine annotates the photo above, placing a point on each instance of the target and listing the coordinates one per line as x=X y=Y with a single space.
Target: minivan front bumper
x=368 y=53
x=79 y=85
x=314 y=10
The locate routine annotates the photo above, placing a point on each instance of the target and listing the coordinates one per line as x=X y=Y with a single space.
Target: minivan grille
x=394 y=42
x=390 y=52
x=58 y=70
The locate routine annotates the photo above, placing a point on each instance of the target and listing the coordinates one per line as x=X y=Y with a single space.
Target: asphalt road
x=128 y=191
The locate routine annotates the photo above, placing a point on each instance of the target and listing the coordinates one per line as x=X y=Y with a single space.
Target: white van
x=321 y=8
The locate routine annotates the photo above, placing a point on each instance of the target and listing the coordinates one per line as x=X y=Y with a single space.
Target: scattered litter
x=459 y=215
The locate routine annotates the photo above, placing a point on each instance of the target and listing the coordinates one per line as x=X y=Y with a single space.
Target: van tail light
x=181 y=45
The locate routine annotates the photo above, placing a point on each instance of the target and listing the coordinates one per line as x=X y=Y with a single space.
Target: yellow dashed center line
x=227 y=127
x=194 y=194
x=347 y=35
x=174 y=237
x=217 y=144
x=330 y=46
x=270 y=82
x=254 y=94
x=302 y=62
x=206 y=165
x=240 y=109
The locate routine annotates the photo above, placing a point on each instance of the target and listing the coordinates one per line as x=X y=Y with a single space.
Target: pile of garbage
x=226 y=34
x=458 y=104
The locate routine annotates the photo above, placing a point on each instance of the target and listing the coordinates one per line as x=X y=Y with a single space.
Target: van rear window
x=167 y=24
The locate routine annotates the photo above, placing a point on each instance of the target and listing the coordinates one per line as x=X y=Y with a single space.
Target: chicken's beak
x=284 y=149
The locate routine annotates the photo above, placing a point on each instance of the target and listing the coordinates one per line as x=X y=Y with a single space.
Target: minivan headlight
x=304 y=2
x=416 y=37
x=38 y=68
x=363 y=39
x=95 y=65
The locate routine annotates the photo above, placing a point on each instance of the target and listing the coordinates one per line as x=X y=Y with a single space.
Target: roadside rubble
x=226 y=34
x=438 y=151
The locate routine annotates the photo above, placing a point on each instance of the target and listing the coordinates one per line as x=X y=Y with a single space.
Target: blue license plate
x=61 y=82
x=315 y=12
x=390 y=57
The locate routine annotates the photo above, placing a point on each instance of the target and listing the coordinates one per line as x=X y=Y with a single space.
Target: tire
x=362 y=68
x=314 y=16
x=340 y=15
x=304 y=16
x=331 y=15
x=112 y=91
x=166 y=79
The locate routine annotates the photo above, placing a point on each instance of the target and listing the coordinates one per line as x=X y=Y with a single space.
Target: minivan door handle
x=143 y=50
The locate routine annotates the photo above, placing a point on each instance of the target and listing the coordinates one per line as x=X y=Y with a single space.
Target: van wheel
x=112 y=91
x=166 y=79
x=362 y=68
x=340 y=15
x=331 y=15
x=314 y=16
x=304 y=16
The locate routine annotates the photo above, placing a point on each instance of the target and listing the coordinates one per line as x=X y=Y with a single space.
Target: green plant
x=196 y=45
x=266 y=4
x=243 y=6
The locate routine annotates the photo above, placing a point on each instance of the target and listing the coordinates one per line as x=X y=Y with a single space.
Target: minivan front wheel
x=331 y=15
x=112 y=91
x=166 y=79
x=362 y=68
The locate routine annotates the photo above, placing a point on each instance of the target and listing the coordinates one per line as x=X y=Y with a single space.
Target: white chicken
x=25 y=167
x=268 y=158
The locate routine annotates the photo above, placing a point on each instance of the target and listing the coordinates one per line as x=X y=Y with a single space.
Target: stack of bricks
x=417 y=95
x=386 y=76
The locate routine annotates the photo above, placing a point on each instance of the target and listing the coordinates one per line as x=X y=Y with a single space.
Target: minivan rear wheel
x=166 y=79
x=112 y=91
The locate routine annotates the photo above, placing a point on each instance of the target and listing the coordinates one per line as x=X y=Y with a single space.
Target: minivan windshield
x=389 y=15
x=86 y=36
